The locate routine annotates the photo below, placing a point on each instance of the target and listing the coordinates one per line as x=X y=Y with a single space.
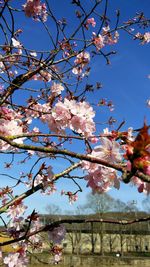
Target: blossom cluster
x=11 y=124
x=34 y=8
x=48 y=186
x=15 y=213
x=78 y=116
x=105 y=38
x=19 y=256
x=145 y=38
x=71 y=196
x=101 y=178
x=82 y=59
x=57 y=234
x=16 y=259
x=143 y=187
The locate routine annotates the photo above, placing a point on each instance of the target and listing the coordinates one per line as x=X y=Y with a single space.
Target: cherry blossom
x=56 y=88
x=72 y=196
x=108 y=150
x=11 y=124
x=146 y=38
x=15 y=43
x=98 y=41
x=143 y=187
x=57 y=252
x=16 y=259
x=44 y=75
x=57 y=234
x=106 y=38
x=36 y=239
x=16 y=210
x=48 y=186
x=2 y=66
x=81 y=61
x=34 y=8
x=57 y=258
x=68 y=114
x=102 y=179
x=90 y=21
x=148 y=102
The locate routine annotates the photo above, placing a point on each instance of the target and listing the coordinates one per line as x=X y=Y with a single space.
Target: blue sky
x=125 y=82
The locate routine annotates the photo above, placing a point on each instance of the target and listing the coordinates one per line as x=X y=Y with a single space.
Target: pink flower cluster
x=57 y=234
x=90 y=21
x=108 y=150
x=15 y=213
x=16 y=259
x=11 y=124
x=36 y=240
x=148 y=102
x=34 y=8
x=72 y=196
x=101 y=178
x=46 y=180
x=105 y=38
x=43 y=75
x=57 y=252
x=56 y=88
x=143 y=187
x=145 y=38
x=78 y=116
x=81 y=61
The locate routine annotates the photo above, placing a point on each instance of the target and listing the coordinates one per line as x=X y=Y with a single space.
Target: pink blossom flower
x=16 y=259
x=72 y=197
x=16 y=210
x=108 y=150
x=90 y=21
x=44 y=75
x=143 y=187
x=109 y=39
x=61 y=114
x=101 y=179
x=18 y=45
x=148 y=102
x=57 y=251
x=57 y=258
x=16 y=223
x=81 y=61
x=34 y=8
x=35 y=226
x=130 y=134
x=82 y=115
x=146 y=38
x=11 y=125
x=15 y=43
x=99 y=41
x=2 y=66
x=57 y=234
x=33 y=54
x=57 y=88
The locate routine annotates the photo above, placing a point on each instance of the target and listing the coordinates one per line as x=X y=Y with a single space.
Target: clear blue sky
x=125 y=82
